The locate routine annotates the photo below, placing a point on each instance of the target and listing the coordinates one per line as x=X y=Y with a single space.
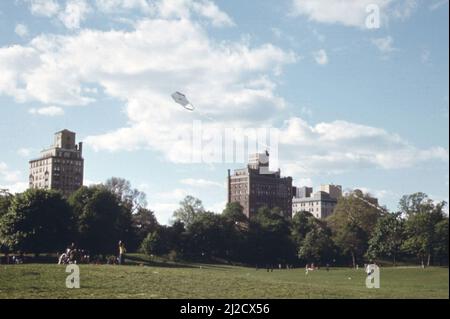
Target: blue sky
x=364 y=108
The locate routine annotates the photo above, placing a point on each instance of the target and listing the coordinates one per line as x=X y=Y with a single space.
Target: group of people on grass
x=17 y=259
x=73 y=255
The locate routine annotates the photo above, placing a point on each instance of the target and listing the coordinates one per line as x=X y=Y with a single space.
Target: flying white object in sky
x=181 y=99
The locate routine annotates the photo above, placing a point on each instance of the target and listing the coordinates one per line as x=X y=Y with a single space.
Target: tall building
x=302 y=192
x=59 y=167
x=321 y=204
x=335 y=191
x=255 y=186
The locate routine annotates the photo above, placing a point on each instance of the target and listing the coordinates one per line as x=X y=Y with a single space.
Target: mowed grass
x=217 y=281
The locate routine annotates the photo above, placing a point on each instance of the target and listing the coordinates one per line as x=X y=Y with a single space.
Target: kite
x=181 y=99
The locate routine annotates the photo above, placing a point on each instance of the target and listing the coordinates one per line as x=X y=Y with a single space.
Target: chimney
x=80 y=148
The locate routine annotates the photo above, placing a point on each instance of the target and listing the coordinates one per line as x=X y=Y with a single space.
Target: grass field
x=217 y=281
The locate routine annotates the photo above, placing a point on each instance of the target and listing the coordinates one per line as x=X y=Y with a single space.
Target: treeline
x=97 y=217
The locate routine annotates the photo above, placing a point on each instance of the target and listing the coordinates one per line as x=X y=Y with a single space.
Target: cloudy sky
x=364 y=108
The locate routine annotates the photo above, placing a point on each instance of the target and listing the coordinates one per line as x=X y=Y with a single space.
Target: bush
x=151 y=245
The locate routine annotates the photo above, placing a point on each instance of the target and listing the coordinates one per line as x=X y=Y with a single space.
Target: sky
x=353 y=103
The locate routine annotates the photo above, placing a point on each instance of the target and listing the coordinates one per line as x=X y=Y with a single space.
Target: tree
x=234 y=212
x=301 y=225
x=317 y=245
x=144 y=222
x=153 y=245
x=351 y=209
x=440 y=247
x=415 y=203
x=269 y=241
x=207 y=236
x=312 y=238
x=190 y=208
x=235 y=225
x=5 y=201
x=352 y=224
x=37 y=221
x=132 y=197
x=388 y=237
x=101 y=220
x=352 y=240
x=423 y=216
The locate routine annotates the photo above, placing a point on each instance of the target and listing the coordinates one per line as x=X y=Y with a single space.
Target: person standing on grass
x=122 y=252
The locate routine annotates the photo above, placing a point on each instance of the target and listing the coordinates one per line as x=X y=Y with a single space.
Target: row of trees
x=97 y=217
x=356 y=232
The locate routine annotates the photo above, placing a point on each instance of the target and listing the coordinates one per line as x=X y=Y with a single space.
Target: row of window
x=48 y=161
x=317 y=203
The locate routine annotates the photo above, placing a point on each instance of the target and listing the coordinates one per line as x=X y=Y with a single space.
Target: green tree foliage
x=207 y=236
x=37 y=221
x=440 y=246
x=387 y=238
x=416 y=203
x=97 y=217
x=269 y=238
x=190 y=208
x=422 y=231
x=236 y=232
x=233 y=212
x=144 y=222
x=153 y=245
x=352 y=240
x=5 y=201
x=312 y=238
x=100 y=219
x=130 y=197
x=352 y=224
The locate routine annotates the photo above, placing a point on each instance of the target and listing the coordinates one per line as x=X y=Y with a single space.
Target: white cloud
x=232 y=82
x=8 y=175
x=217 y=207
x=349 y=13
x=71 y=15
x=165 y=203
x=11 y=180
x=47 y=111
x=385 y=45
x=209 y=10
x=339 y=146
x=17 y=187
x=88 y=182
x=47 y=8
x=201 y=183
x=21 y=30
x=170 y=9
x=109 y=6
x=352 y=13
x=185 y=8
x=74 y=13
x=321 y=57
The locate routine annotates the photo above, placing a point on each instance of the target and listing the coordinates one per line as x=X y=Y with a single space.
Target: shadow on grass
x=142 y=260
x=131 y=260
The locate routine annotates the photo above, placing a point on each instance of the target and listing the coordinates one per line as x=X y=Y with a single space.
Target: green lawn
x=217 y=281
